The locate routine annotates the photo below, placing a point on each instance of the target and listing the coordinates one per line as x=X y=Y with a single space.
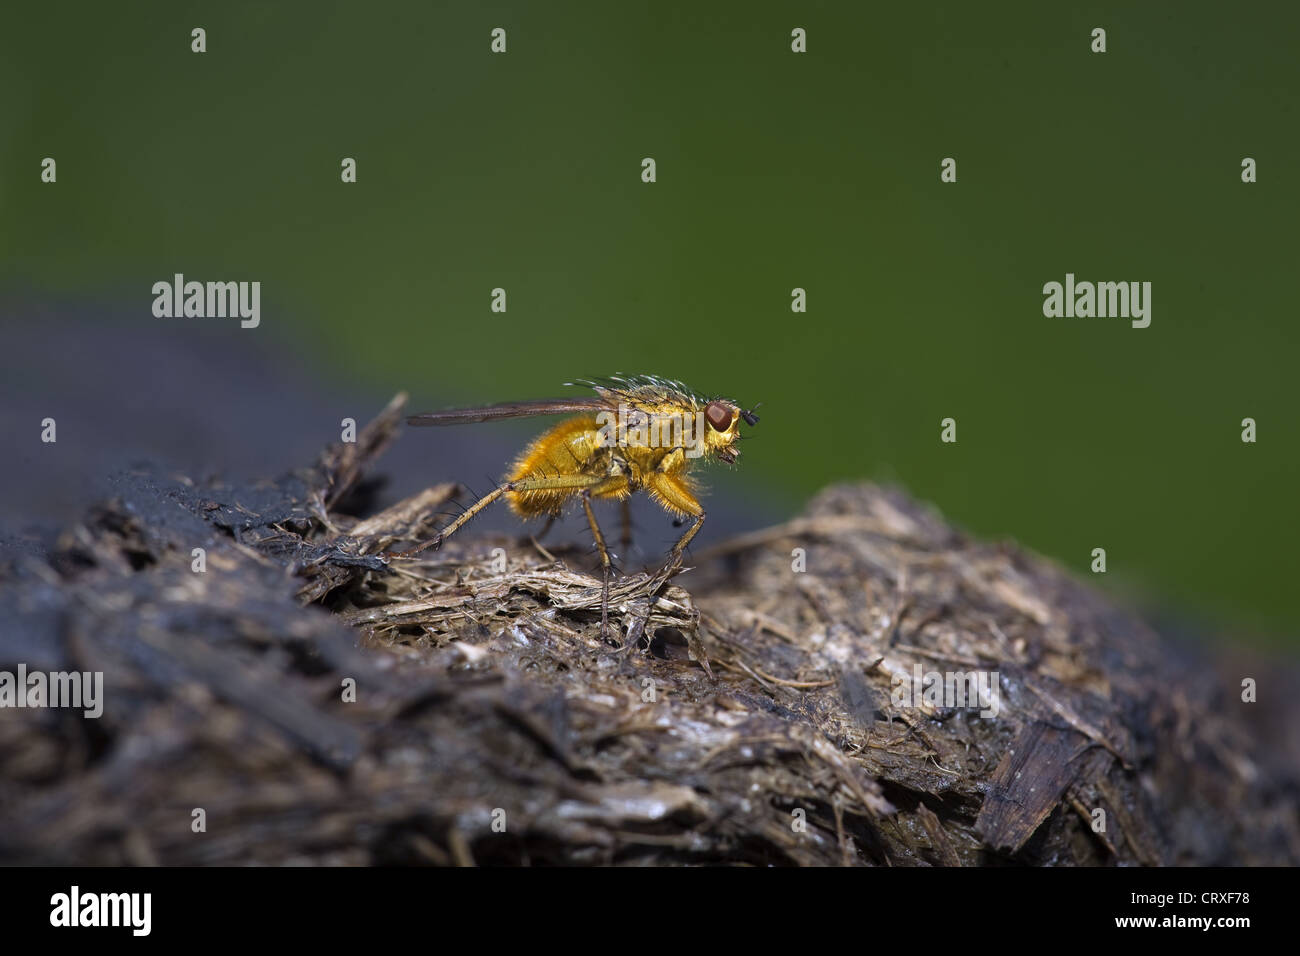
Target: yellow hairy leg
x=567 y=484
x=672 y=491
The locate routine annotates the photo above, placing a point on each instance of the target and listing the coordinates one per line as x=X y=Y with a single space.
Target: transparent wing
x=491 y=413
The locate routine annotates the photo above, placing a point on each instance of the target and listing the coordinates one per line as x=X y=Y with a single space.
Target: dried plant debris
x=304 y=698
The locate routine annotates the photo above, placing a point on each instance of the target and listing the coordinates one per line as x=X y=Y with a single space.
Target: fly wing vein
x=488 y=413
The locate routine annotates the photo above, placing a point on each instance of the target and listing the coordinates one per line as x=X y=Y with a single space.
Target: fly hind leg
x=436 y=541
x=567 y=483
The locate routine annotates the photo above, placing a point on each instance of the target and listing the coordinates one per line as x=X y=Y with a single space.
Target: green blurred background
x=775 y=170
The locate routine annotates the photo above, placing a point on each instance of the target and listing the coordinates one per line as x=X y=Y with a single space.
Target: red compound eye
x=719 y=415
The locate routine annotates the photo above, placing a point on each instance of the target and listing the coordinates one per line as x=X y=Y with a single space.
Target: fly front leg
x=672 y=492
x=675 y=556
x=680 y=547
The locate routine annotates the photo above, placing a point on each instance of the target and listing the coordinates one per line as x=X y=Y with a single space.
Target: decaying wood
x=745 y=715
